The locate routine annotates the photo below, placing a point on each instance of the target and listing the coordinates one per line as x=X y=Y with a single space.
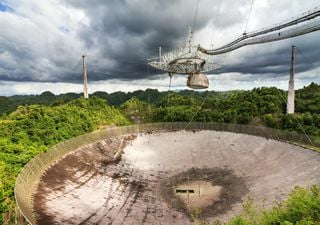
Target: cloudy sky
x=41 y=43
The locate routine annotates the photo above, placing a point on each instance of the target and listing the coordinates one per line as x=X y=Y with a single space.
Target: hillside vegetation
x=260 y=106
x=30 y=130
x=31 y=124
x=301 y=208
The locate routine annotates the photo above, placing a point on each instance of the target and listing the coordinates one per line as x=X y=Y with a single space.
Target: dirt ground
x=92 y=186
x=233 y=188
x=198 y=194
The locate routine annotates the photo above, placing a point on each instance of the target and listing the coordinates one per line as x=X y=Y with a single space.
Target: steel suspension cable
x=195 y=16
x=194 y=115
x=308 y=60
x=149 y=106
x=304 y=132
x=214 y=21
x=168 y=94
x=251 y=6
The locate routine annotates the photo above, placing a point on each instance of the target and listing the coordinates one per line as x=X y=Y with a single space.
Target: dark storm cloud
x=121 y=35
x=130 y=32
x=258 y=60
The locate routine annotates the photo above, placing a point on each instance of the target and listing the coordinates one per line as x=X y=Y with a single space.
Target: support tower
x=85 y=82
x=290 y=101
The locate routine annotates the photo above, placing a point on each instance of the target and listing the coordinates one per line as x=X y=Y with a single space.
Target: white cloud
x=32 y=37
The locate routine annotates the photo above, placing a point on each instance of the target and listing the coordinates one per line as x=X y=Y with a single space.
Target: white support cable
x=195 y=16
x=215 y=21
x=168 y=95
x=308 y=60
x=304 y=132
x=251 y=6
x=149 y=104
x=194 y=115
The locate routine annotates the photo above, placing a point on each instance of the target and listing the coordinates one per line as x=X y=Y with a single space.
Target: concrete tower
x=85 y=82
x=290 y=101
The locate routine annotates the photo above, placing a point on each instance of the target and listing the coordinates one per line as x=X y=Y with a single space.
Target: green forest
x=32 y=129
x=31 y=124
x=260 y=106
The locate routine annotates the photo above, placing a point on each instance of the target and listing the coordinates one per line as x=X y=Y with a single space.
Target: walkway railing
x=29 y=177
